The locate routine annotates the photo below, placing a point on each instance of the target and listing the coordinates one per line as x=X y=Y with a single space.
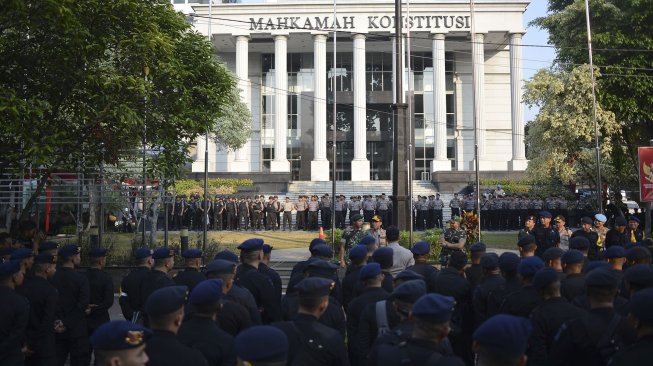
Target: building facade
x=282 y=53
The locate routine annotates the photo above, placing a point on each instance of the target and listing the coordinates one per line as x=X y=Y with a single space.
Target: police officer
x=232 y=213
x=508 y=264
x=351 y=236
x=218 y=213
x=490 y=281
x=288 y=207
x=341 y=211
x=474 y=272
x=586 y=231
x=319 y=250
x=546 y=236
x=313 y=209
x=455 y=204
x=573 y=283
x=101 y=290
x=271 y=208
x=165 y=311
x=350 y=283
x=120 y=343
x=438 y=206
x=264 y=267
x=523 y=301
x=157 y=277
x=70 y=316
x=369 y=205
x=130 y=298
x=325 y=210
x=199 y=329
x=502 y=340
x=384 y=257
x=250 y=352
x=640 y=312
x=191 y=274
x=421 y=251
x=383 y=204
x=355 y=206
x=299 y=217
x=14 y=314
x=377 y=232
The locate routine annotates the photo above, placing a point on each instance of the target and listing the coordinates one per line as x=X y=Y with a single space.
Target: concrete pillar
x=319 y=164
x=518 y=161
x=478 y=59
x=440 y=163
x=241 y=162
x=360 y=166
x=280 y=162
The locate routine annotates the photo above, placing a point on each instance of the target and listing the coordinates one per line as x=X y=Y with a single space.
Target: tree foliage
x=560 y=140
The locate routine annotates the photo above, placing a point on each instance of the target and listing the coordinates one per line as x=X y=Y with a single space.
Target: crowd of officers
x=588 y=304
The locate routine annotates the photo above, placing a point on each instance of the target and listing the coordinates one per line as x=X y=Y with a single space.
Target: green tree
x=82 y=81
x=560 y=139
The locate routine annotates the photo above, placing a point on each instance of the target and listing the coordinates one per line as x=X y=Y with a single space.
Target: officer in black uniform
x=319 y=250
x=14 y=314
x=573 y=283
x=312 y=343
x=42 y=297
x=586 y=231
x=508 y=263
x=24 y=257
x=165 y=311
x=642 y=350
x=101 y=290
x=120 y=343
x=350 y=283
x=432 y=314
x=474 y=272
x=191 y=275
x=200 y=330
x=264 y=268
x=523 y=301
x=248 y=276
x=546 y=236
x=249 y=351
x=226 y=271
x=130 y=298
x=384 y=257
x=421 y=251
x=502 y=340
x=70 y=316
x=490 y=281
x=157 y=277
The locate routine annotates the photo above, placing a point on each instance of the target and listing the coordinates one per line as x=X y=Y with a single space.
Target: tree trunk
x=24 y=215
x=92 y=204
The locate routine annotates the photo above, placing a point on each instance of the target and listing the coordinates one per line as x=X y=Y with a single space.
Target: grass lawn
x=499 y=239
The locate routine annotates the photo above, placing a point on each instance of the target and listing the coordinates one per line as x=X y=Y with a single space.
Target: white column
x=518 y=161
x=440 y=163
x=360 y=166
x=280 y=162
x=478 y=59
x=241 y=162
x=320 y=164
x=198 y=163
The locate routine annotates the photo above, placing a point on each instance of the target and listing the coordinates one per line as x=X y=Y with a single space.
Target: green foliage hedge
x=216 y=185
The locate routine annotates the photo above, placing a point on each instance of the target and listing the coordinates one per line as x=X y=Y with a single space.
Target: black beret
x=227 y=255
x=579 y=243
x=509 y=261
x=383 y=256
x=478 y=247
x=409 y=291
x=490 y=260
x=552 y=254
x=639 y=274
x=220 y=266
x=526 y=240
x=504 y=334
x=206 y=292
x=166 y=300
x=261 y=343
x=615 y=251
x=640 y=305
x=638 y=253
x=314 y=287
x=97 y=253
x=119 y=335
x=252 y=244
x=602 y=277
x=544 y=277
x=434 y=308
x=529 y=266
x=573 y=256
x=192 y=253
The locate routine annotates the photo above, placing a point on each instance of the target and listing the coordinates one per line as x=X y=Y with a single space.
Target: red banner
x=646 y=174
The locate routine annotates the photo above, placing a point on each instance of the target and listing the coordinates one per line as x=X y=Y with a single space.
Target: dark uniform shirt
x=14 y=315
x=522 y=302
x=350 y=284
x=415 y=352
x=368 y=328
x=356 y=307
x=189 y=277
x=613 y=237
x=203 y=334
x=333 y=317
x=262 y=289
x=243 y=297
x=499 y=295
x=547 y=319
x=640 y=353
x=429 y=273
x=101 y=295
x=130 y=299
x=593 y=252
x=545 y=238
x=273 y=276
x=164 y=349
x=481 y=296
x=474 y=274
x=572 y=286
x=233 y=318
x=74 y=298
x=153 y=281
x=297 y=273
x=42 y=297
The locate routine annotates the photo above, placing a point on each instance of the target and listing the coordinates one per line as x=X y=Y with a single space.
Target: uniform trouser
x=77 y=348
x=455 y=211
x=301 y=223
x=422 y=216
x=367 y=215
x=429 y=219
x=231 y=220
x=271 y=223
x=312 y=220
x=437 y=219
x=513 y=219
x=217 y=222
x=326 y=217
x=340 y=219
x=177 y=222
x=384 y=217
x=287 y=218
x=278 y=219
x=243 y=221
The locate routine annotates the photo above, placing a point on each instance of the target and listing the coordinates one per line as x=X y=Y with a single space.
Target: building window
x=342 y=72
x=378 y=71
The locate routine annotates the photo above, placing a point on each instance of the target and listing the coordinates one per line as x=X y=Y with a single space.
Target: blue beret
x=529 y=266
x=633 y=218
x=408 y=275
x=253 y=244
x=161 y=253
x=638 y=253
x=434 y=308
x=370 y=270
x=45 y=258
x=383 y=256
x=192 y=253
x=546 y=214
x=600 y=217
x=267 y=248
x=528 y=239
x=478 y=247
x=544 y=277
x=7 y=268
x=421 y=247
x=620 y=221
x=314 y=287
x=142 y=253
x=367 y=240
x=322 y=250
x=603 y=277
x=572 y=256
x=596 y=264
x=615 y=251
x=509 y=261
x=641 y=303
x=639 y=274
x=119 y=335
x=320 y=266
x=97 y=252
x=579 y=242
x=21 y=253
x=220 y=266
x=206 y=292
x=409 y=291
x=504 y=334
x=227 y=255
x=586 y=220
x=69 y=250
x=48 y=245
x=166 y=300
x=358 y=252
x=315 y=242
x=490 y=260
x=262 y=343
x=552 y=254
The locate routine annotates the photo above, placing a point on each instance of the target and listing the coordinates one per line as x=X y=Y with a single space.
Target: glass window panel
x=268 y=62
x=419 y=103
x=450 y=120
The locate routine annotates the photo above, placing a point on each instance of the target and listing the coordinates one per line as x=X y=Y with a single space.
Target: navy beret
x=529 y=266
x=322 y=250
x=315 y=242
x=596 y=264
x=206 y=292
x=367 y=240
x=45 y=258
x=639 y=274
x=408 y=275
x=356 y=217
x=142 y=253
x=69 y=250
x=21 y=253
x=252 y=244
x=619 y=221
x=409 y=291
x=615 y=251
x=97 y=252
x=526 y=240
x=457 y=259
x=546 y=214
x=434 y=308
x=267 y=248
x=166 y=300
x=490 y=260
x=262 y=343
x=504 y=334
x=633 y=218
x=320 y=266
x=421 y=247
x=161 y=253
x=587 y=220
x=641 y=303
x=220 y=266
x=119 y=335
x=227 y=255
x=573 y=256
x=638 y=253
x=358 y=252
x=552 y=254
x=509 y=261
x=603 y=277
x=48 y=245
x=8 y=268
x=314 y=287
x=579 y=243
x=192 y=253
x=370 y=270
x=544 y=277
x=478 y=247
x=383 y=256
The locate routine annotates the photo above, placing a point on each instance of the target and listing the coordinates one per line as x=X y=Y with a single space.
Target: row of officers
x=391 y=307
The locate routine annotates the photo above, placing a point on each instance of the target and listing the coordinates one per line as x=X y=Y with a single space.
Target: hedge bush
x=216 y=186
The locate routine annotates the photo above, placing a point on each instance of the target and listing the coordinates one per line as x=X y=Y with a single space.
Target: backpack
x=382 y=324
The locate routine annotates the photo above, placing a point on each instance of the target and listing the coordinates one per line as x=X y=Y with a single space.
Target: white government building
x=293 y=115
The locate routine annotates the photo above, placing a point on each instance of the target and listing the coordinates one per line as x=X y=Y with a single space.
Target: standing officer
x=14 y=314
x=191 y=275
x=271 y=208
x=243 y=214
x=376 y=231
x=164 y=261
x=355 y=206
x=226 y=271
x=341 y=212
x=249 y=351
x=438 y=206
x=454 y=204
x=70 y=317
x=453 y=239
x=546 y=236
x=350 y=283
x=313 y=208
x=288 y=207
x=325 y=208
x=218 y=210
x=120 y=343
x=301 y=208
x=130 y=298
x=232 y=211
x=640 y=312
x=350 y=237
x=368 y=208
x=586 y=231
x=491 y=280
x=421 y=251
x=264 y=268
x=502 y=340
x=257 y=214
x=101 y=290
x=382 y=207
